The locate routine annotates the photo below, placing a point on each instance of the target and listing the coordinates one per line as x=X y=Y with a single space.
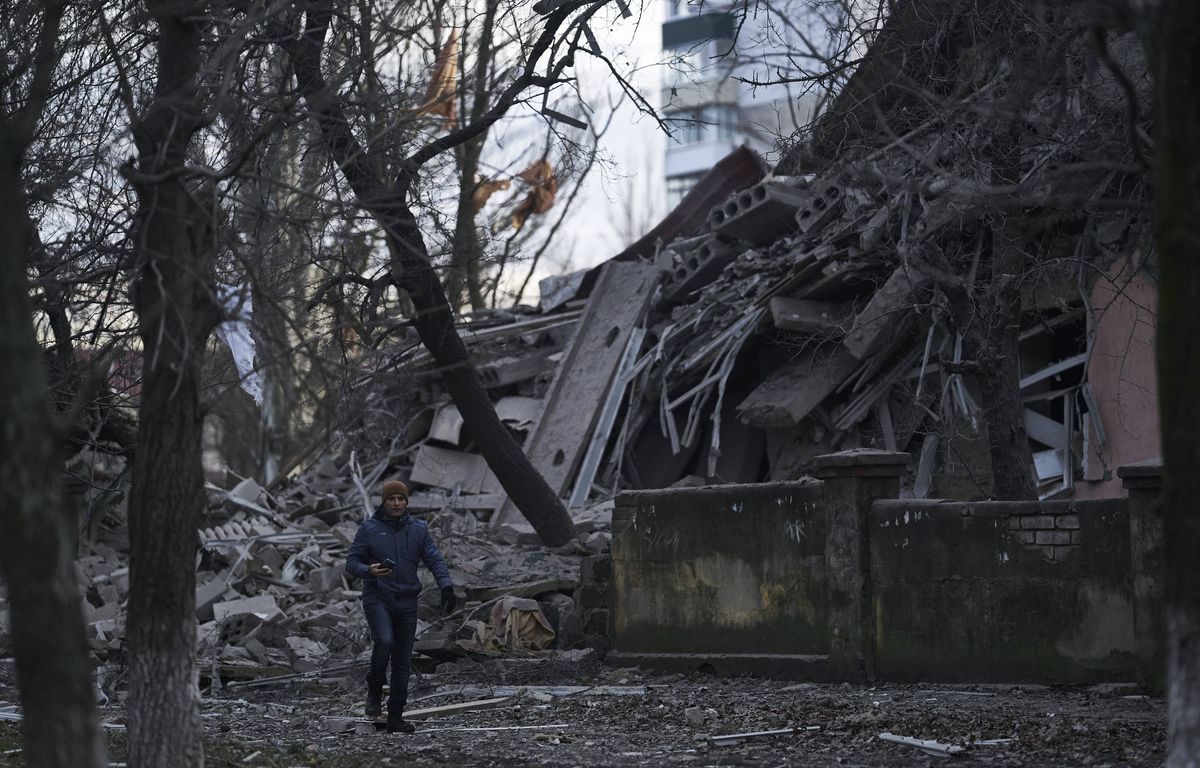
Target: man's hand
x=378 y=569
x=448 y=599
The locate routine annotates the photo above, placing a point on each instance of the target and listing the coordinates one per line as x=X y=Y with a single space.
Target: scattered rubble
x=775 y=723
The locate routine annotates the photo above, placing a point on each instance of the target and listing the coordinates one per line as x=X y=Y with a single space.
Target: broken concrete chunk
x=760 y=214
x=262 y=606
x=789 y=394
x=520 y=413
x=247 y=490
x=453 y=470
x=882 y=313
x=325 y=579
x=447 y=425
x=209 y=594
x=341 y=724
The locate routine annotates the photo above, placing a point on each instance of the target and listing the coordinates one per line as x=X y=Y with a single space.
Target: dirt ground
x=667 y=724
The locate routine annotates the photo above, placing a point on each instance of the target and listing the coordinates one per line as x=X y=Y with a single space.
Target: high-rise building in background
x=719 y=93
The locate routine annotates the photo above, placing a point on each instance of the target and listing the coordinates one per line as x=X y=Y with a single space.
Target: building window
x=711 y=122
x=678 y=186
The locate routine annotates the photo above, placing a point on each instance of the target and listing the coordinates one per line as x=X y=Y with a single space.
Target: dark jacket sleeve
x=358 y=558
x=434 y=562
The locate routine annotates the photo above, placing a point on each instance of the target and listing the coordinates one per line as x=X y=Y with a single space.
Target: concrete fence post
x=1147 y=559
x=853 y=481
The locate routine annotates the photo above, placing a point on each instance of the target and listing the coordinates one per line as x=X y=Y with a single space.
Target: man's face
x=395 y=505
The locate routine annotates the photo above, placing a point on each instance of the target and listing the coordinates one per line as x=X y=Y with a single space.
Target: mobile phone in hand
x=389 y=563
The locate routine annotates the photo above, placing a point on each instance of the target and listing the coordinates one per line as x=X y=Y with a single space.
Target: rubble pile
x=274 y=603
x=820 y=310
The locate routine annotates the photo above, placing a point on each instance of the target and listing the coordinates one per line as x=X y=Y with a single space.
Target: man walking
x=385 y=554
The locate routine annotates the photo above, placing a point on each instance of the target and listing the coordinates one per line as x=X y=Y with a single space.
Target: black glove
x=448 y=599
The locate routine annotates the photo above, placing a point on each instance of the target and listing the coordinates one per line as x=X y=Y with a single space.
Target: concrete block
x=598 y=568
x=325 y=579
x=1038 y=522
x=789 y=394
x=1046 y=538
x=341 y=724
x=821 y=208
x=262 y=606
x=761 y=213
x=887 y=307
x=1068 y=522
x=209 y=594
x=697 y=269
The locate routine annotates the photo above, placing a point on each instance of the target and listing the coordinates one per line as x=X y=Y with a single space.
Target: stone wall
x=1002 y=591
x=835 y=579
x=721 y=570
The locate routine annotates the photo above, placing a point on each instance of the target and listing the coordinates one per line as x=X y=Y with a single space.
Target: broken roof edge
x=740 y=169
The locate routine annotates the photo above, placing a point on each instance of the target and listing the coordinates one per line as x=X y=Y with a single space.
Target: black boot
x=374 y=701
x=397 y=724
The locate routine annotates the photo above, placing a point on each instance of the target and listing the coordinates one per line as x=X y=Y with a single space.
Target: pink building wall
x=1123 y=376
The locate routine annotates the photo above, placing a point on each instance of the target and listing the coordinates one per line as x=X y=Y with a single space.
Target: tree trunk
x=1177 y=225
x=463 y=277
x=37 y=532
x=999 y=310
x=173 y=296
x=414 y=272
x=1000 y=357
x=435 y=324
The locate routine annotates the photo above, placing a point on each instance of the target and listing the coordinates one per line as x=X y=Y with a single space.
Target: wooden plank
x=556 y=444
x=450 y=709
x=789 y=394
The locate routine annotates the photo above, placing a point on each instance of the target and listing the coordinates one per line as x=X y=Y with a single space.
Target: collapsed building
x=770 y=321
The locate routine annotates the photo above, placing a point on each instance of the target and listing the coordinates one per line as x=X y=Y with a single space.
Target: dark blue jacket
x=405 y=540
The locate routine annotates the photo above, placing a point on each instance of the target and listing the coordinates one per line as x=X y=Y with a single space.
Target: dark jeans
x=393 y=626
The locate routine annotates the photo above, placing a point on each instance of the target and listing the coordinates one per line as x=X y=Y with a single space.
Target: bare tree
x=390 y=202
x=176 y=302
x=37 y=537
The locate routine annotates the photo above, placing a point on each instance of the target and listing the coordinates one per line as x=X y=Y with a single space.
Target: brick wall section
x=1049 y=527
x=1004 y=591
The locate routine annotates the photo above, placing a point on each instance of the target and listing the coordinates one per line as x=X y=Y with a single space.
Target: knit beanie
x=393 y=488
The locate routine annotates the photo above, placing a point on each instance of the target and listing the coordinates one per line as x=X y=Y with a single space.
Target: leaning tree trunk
x=1177 y=225
x=174 y=300
x=37 y=533
x=414 y=272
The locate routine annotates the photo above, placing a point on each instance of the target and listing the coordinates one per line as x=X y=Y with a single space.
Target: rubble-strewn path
x=642 y=720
